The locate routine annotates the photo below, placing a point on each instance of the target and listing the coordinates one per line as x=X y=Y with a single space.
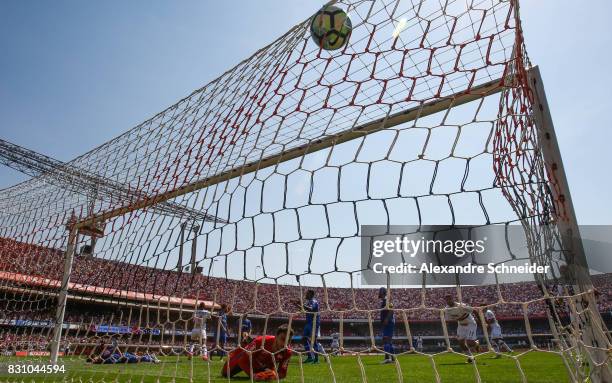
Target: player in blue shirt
x=387 y=321
x=312 y=329
x=245 y=331
x=111 y=353
x=128 y=357
x=223 y=329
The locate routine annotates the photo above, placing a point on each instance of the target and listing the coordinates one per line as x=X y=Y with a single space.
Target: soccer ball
x=330 y=28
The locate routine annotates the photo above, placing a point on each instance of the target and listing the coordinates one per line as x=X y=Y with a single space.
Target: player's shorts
x=233 y=363
x=198 y=334
x=112 y=359
x=335 y=345
x=190 y=349
x=496 y=332
x=130 y=358
x=388 y=330
x=308 y=332
x=467 y=332
x=222 y=337
x=147 y=358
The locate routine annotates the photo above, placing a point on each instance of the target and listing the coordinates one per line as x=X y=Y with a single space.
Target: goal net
x=267 y=182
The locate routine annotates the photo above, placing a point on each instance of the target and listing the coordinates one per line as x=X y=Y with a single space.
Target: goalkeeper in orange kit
x=265 y=363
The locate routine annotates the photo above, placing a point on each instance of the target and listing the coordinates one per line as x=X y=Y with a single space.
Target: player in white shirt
x=466 y=325
x=335 y=345
x=198 y=333
x=495 y=334
x=419 y=343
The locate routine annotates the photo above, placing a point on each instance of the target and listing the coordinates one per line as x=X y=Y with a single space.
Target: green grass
x=537 y=366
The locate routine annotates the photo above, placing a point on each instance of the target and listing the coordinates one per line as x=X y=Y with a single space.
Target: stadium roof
x=107 y=292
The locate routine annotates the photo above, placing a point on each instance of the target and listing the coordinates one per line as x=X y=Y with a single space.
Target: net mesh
x=425 y=117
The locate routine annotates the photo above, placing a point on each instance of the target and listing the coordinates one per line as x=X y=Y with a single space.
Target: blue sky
x=74 y=74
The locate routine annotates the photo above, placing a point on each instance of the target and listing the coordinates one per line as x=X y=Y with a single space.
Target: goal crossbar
x=391 y=120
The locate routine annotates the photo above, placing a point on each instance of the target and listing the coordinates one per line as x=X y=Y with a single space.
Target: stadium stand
x=104 y=278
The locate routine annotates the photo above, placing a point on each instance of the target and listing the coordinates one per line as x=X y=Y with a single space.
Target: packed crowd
x=10 y=341
x=248 y=297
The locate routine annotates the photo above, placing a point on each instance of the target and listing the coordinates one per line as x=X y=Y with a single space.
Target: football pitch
x=537 y=367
